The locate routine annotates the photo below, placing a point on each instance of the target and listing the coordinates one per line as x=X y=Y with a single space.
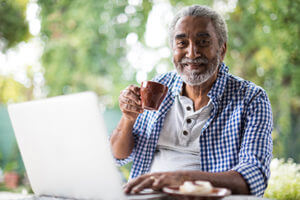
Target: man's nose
x=192 y=51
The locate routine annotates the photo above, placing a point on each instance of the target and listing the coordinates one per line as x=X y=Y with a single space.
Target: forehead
x=193 y=24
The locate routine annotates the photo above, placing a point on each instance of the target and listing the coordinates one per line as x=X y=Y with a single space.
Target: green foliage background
x=85 y=44
x=13 y=27
x=264 y=48
x=85 y=50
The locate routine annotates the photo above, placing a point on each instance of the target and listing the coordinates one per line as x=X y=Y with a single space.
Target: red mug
x=152 y=94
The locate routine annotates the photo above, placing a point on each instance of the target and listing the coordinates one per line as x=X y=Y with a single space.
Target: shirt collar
x=217 y=89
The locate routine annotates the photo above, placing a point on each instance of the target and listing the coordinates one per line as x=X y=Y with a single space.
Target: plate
x=217 y=193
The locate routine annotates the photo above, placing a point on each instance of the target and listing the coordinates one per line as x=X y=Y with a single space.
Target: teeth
x=186 y=64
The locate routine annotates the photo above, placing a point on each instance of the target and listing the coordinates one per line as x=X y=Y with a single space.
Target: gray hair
x=201 y=11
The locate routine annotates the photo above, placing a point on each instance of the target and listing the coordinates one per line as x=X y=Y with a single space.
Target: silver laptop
x=65 y=148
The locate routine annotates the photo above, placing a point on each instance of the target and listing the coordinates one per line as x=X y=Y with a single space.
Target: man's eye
x=181 y=43
x=204 y=42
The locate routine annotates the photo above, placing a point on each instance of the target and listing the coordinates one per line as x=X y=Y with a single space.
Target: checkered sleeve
x=256 y=147
x=142 y=123
x=139 y=125
x=121 y=162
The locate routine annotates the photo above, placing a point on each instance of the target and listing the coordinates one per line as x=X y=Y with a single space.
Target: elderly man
x=212 y=126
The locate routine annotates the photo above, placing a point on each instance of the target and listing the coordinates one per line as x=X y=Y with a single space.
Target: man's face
x=196 y=51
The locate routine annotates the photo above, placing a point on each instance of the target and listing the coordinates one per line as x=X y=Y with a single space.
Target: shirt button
x=188 y=108
x=185 y=133
x=188 y=121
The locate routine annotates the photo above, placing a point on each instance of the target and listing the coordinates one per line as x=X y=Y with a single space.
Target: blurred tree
x=85 y=43
x=13 y=24
x=85 y=49
x=12 y=91
x=264 y=48
x=13 y=30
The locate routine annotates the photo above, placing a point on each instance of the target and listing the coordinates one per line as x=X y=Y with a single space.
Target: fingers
x=130 y=101
x=146 y=183
x=126 y=107
x=131 y=109
x=160 y=182
x=133 y=183
x=132 y=93
x=140 y=183
x=135 y=89
x=168 y=179
x=156 y=181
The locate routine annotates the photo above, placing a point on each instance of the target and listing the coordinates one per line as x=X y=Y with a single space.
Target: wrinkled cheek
x=177 y=56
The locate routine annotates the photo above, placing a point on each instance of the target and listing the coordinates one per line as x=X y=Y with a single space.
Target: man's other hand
x=156 y=181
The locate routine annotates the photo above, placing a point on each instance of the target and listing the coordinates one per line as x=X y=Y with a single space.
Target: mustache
x=194 y=61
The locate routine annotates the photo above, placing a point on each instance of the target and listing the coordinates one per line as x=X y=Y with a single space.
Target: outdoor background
x=56 y=47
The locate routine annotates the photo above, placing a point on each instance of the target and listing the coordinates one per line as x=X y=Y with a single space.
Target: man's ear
x=223 y=51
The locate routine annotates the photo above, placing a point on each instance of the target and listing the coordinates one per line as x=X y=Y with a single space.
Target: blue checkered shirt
x=237 y=135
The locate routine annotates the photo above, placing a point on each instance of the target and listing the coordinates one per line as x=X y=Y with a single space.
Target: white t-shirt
x=178 y=144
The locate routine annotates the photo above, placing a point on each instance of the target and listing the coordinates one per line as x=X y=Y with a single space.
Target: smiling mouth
x=194 y=65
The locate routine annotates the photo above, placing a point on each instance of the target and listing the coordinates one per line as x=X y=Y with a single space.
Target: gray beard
x=194 y=77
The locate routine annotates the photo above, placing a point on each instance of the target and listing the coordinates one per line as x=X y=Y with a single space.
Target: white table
x=17 y=196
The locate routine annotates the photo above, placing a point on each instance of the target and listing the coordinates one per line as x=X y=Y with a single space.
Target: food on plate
x=197 y=187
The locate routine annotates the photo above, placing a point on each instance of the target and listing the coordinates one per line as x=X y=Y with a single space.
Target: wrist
x=191 y=175
x=185 y=176
x=128 y=120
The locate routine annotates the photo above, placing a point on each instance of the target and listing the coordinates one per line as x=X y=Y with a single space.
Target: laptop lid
x=65 y=149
